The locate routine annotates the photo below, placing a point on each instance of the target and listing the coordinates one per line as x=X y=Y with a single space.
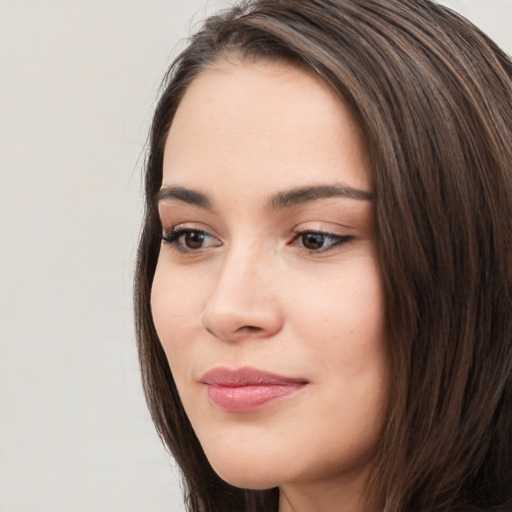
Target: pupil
x=313 y=240
x=194 y=240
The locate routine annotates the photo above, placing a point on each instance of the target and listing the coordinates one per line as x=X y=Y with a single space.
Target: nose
x=243 y=303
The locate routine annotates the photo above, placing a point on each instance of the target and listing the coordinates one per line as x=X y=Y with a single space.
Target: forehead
x=263 y=124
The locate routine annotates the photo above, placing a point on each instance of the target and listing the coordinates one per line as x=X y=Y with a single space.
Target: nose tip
x=240 y=308
x=229 y=328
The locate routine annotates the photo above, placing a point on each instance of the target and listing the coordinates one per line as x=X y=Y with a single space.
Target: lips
x=246 y=389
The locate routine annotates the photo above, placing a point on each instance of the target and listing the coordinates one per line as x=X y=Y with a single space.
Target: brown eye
x=190 y=240
x=320 y=242
x=194 y=239
x=313 y=241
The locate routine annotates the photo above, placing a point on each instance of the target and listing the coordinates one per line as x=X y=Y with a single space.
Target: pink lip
x=246 y=389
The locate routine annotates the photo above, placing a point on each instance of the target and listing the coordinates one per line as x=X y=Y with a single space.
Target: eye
x=319 y=241
x=189 y=240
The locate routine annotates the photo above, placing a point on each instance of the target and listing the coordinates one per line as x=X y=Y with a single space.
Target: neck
x=327 y=496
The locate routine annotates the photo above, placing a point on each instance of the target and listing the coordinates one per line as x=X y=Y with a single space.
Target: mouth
x=247 y=389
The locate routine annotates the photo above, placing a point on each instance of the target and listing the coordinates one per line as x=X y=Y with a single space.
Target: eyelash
x=174 y=238
x=336 y=240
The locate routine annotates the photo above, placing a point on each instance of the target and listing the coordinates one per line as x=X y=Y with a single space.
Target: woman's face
x=267 y=296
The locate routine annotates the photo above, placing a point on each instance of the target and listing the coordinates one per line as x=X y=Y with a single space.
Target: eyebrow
x=285 y=199
x=301 y=195
x=185 y=195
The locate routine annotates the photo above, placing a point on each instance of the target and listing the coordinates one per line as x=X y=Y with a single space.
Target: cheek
x=342 y=306
x=344 y=331
x=175 y=310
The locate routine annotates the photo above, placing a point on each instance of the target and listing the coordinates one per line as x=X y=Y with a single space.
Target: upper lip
x=246 y=376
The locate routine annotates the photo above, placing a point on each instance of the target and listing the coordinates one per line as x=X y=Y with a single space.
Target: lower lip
x=249 y=398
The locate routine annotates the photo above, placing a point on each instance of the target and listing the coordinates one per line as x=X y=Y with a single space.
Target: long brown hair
x=433 y=97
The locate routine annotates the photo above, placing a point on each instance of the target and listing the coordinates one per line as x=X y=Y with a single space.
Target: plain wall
x=78 y=82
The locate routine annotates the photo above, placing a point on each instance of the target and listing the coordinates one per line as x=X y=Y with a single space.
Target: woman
x=323 y=290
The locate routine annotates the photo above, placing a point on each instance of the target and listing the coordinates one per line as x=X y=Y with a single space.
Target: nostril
x=250 y=328
x=231 y=321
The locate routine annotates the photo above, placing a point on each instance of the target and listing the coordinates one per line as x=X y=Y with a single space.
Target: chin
x=246 y=468
x=247 y=478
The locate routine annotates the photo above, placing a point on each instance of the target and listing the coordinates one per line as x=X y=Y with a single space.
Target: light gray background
x=78 y=82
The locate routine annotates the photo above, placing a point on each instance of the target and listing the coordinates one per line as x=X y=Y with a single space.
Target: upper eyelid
x=325 y=231
x=332 y=228
x=326 y=227
x=179 y=229
x=338 y=241
x=187 y=226
x=173 y=236
x=327 y=234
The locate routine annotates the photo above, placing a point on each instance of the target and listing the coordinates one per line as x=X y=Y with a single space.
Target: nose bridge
x=243 y=301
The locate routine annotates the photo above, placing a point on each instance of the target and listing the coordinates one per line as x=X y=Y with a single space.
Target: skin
x=243 y=285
